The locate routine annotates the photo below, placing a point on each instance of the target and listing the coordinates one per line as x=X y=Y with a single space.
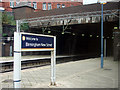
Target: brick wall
x=54 y=4
x=1 y=5
x=7 y=7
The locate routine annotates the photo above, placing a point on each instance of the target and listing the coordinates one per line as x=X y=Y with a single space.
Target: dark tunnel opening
x=86 y=39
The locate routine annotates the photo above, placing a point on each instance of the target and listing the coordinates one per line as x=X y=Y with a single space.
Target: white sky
x=89 y=1
x=95 y=1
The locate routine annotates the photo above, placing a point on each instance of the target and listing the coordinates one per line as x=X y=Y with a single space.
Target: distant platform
x=29 y=58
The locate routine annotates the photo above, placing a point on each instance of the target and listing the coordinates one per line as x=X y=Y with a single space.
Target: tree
x=24 y=27
x=8 y=19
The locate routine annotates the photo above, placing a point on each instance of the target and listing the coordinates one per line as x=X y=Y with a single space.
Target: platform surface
x=75 y=74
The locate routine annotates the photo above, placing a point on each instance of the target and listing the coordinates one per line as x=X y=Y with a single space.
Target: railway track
x=39 y=62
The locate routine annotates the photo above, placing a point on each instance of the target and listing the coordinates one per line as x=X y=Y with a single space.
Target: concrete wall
x=117 y=40
x=0 y=33
x=116 y=45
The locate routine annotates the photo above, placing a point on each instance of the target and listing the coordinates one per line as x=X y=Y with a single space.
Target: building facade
x=45 y=5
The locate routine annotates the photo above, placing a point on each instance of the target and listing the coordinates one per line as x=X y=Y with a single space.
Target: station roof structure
x=61 y=11
x=26 y=13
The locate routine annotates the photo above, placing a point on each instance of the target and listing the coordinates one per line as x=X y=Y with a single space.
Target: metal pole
x=105 y=48
x=17 y=57
x=54 y=60
x=102 y=35
x=17 y=26
x=53 y=64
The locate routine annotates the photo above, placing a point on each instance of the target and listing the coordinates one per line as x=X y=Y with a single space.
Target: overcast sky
x=95 y=1
x=89 y=1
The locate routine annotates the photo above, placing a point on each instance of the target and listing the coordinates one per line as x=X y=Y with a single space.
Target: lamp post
x=102 y=2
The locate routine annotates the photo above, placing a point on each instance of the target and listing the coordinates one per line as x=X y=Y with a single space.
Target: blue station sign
x=36 y=42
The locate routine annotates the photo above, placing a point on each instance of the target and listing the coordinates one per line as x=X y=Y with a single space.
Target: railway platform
x=75 y=74
x=28 y=58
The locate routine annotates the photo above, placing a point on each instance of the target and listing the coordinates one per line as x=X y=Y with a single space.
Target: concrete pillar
x=117 y=40
x=116 y=45
x=0 y=33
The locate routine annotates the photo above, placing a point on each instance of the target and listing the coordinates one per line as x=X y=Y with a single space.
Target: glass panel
x=11 y=4
x=29 y=3
x=63 y=6
x=58 y=5
x=44 y=6
x=35 y=5
x=49 y=6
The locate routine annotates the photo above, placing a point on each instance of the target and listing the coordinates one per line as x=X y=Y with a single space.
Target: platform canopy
x=70 y=15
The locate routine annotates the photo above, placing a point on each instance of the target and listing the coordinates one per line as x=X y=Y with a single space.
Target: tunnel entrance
x=81 y=39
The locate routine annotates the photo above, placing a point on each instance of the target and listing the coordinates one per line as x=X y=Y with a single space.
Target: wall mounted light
x=83 y=35
x=49 y=31
x=63 y=32
x=90 y=35
x=4 y=43
x=73 y=33
x=115 y=28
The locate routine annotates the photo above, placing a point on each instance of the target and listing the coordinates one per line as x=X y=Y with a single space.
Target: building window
x=29 y=3
x=49 y=6
x=11 y=3
x=35 y=5
x=17 y=3
x=58 y=5
x=44 y=6
x=63 y=6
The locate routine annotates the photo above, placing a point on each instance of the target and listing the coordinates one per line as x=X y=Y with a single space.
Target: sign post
x=17 y=60
x=17 y=57
x=32 y=42
x=53 y=63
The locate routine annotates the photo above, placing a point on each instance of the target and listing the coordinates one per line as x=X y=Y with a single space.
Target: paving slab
x=75 y=74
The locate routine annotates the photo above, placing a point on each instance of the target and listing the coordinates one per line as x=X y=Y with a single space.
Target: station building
x=42 y=5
